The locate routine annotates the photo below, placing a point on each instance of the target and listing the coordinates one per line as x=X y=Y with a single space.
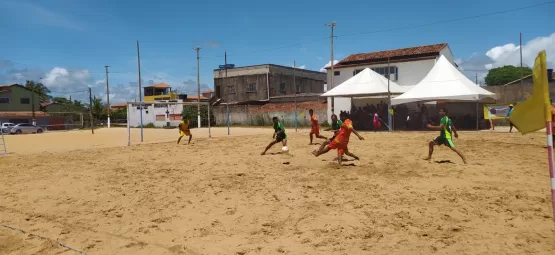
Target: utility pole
x=140 y=89
x=521 y=74
x=90 y=110
x=33 y=87
x=107 y=96
x=330 y=85
x=227 y=95
x=477 y=107
x=198 y=85
x=295 y=88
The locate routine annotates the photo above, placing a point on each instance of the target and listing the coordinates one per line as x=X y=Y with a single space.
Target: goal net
x=150 y=121
x=59 y=121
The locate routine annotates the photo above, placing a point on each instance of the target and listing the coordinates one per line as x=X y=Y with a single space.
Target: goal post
x=166 y=115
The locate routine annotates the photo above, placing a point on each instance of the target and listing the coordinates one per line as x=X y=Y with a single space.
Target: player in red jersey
x=341 y=140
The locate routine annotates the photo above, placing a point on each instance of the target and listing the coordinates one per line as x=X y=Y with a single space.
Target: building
x=407 y=67
x=262 y=82
x=16 y=97
x=159 y=91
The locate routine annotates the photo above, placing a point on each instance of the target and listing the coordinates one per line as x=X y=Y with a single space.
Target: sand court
x=219 y=196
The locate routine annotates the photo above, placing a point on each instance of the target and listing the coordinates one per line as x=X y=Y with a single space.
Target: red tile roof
x=159 y=86
x=404 y=53
x=122 y=105
x=46 y=104
x=207 y=91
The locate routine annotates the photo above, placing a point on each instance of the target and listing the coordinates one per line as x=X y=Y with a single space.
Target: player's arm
x=454 y=130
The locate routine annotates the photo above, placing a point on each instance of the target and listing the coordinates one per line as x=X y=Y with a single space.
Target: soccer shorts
x=280 y=137
x=444 y=141
x=315 y=131
x=184 y=133
x=341 y=147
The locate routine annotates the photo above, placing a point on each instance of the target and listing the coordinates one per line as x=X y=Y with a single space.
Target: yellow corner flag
x=532 y=114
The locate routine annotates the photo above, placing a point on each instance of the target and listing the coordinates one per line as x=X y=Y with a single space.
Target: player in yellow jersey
x=184 y=131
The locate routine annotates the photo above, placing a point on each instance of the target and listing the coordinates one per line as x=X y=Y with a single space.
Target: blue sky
x=68 y=42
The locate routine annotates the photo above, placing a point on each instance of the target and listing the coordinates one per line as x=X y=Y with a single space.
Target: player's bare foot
x=263 y=153
x=315 y=153
x=428 y=158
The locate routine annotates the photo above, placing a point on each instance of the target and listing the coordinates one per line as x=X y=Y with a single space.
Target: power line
x=398 y=28
x=451 y=20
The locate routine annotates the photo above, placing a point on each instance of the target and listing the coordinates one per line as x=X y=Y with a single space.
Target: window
x=251 y=88
x=4 y=100
x=355 y=72
x=336 y=73
x=282 y=88
x=231 y=89
x=393 y=72
x=24 y=100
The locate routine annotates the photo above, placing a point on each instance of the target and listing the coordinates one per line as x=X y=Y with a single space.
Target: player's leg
x=190 y=137
x=181 y=134
x=311 y=138
x=340 y=152
x=452 y=147
x=510 y=126
x=326 y=143
x=431 y=147
x=323 y=151
x=318 y=135
x=348 y=153
x=269 y=146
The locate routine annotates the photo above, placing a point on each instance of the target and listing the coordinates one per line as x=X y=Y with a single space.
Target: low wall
x=261 y=115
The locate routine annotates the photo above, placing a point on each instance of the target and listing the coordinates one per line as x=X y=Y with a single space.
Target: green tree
x=43 y=91
x=190 y=113
x=98 y=109
x=503 y=75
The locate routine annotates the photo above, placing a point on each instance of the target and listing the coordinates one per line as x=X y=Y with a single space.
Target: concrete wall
x=262 y=115
x=517 y=92
x=150 y=112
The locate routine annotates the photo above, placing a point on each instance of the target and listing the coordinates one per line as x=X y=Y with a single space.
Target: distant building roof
x=159 y=86
x=196 y=97
x=23 y=114
x=518 y=80
x=14 y=84
x=122 y=105
x=425 y=51
x=207 y=91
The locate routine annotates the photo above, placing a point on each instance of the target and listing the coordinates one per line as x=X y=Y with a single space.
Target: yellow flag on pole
x=532 y=114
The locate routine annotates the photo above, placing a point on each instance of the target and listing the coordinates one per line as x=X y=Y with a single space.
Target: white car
x=6 y=127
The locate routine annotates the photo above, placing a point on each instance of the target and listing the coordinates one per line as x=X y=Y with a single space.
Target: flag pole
x=550 y=160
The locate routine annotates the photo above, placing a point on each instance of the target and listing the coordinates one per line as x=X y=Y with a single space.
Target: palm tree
x=98 y=108
x=39 y=88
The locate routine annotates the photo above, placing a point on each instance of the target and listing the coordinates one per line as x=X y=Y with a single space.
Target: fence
x=261 y=115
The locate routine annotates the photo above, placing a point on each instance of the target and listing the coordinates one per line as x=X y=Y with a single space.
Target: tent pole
x=477 y=115
x=388 y=98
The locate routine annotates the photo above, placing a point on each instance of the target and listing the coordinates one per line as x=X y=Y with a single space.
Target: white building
x=159 y=113
x=407 y=67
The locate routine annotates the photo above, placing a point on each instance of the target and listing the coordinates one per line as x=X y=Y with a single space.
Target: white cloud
x=508 y=54
x=60 y=79
x=323 y=69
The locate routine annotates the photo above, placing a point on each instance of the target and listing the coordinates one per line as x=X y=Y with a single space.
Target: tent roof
x=444 y=82
x=365 y=83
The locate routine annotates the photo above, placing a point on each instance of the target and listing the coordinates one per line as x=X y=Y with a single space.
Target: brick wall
x=261 y=115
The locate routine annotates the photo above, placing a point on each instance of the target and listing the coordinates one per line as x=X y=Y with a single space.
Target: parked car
x=25 y=129
x=6 y=127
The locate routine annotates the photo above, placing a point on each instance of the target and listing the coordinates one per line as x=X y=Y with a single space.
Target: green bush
x=190 y=113
x=149 y=125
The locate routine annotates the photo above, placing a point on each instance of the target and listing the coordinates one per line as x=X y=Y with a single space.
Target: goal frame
x=141 y=104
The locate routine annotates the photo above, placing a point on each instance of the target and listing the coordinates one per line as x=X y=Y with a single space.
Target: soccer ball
x=285 y=149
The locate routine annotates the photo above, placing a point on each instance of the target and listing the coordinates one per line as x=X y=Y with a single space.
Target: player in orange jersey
x=341 y=140
x=315 y=127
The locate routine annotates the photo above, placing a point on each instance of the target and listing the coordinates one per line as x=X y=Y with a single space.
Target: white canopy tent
x=365 y=84
x=444 y=82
